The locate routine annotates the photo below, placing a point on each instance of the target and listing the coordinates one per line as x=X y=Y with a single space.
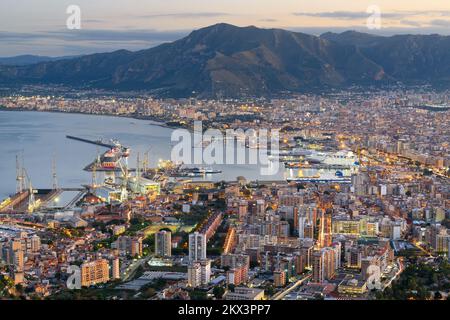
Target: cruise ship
x=340 y=158
x=207 y=170
x=326 y=167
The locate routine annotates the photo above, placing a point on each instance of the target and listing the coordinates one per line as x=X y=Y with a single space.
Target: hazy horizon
x=39 y=27
x=189 y=31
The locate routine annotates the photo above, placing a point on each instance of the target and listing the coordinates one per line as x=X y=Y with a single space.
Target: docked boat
x=340 y=158
x=203 y=170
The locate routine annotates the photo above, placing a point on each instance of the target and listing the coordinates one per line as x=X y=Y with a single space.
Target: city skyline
x=225 y=151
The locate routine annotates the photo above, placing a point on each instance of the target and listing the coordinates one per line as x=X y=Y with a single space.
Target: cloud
x=5 y=35
x=411 y=23
x=357 y=15
x=440 y=23
x=268 y=20
x=97 y=34
x=93 y=21
x=347 y=15
x=185 y=15
x=386 y=31
x=116 y=35
x=74 y=42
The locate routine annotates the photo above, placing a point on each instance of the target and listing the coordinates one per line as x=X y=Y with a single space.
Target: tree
x=197 y=295
x=437 y=295
x=149 y=292
x=269 y=291
x=218 y=292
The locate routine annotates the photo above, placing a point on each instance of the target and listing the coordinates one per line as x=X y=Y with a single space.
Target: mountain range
x=228 y=61
x=28 y=59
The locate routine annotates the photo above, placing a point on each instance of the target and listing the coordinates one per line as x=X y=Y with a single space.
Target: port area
x=96 y=166
x=44 y=199
x=109 y=161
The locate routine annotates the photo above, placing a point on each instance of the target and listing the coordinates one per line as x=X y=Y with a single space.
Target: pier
x=96 y=142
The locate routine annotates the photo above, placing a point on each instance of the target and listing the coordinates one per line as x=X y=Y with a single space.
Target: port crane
x=32 y=203
x=19 y=176
x=54 y=176
x=124 y=186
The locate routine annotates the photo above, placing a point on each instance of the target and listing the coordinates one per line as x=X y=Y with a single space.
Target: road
x=399 y=271
x=290 y=288
x=419 y=246
x=131 y=270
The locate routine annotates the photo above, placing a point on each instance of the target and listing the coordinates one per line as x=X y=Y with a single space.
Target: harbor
x=116 y=165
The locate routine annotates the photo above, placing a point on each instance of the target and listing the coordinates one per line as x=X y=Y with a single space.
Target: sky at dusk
x=39 y=26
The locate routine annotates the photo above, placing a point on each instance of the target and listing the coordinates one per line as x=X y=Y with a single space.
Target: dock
x=45 y=199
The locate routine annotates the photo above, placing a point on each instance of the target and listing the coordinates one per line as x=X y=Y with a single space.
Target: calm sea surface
x=41 y=136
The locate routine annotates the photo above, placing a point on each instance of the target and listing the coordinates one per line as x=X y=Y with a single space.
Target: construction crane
x=19 y=176
x=94 y=172
x=54 y=176
x=125 y=177
x=138 y=169
x=32 y=203
x=146 y=161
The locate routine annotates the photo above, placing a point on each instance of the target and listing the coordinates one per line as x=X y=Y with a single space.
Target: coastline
x=154 y=121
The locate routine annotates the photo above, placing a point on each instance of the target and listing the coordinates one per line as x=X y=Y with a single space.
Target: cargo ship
x=110 y=159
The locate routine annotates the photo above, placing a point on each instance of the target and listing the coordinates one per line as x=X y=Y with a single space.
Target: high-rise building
x=324 y=265
x=136 y=247
x=238 y=274
x=260 y=207
x=329 y=263
x=163 y=243
x=17 y=244
x=291 y=200
x=205 y=271
x=197 y=246
x=337 y=247
x=300 y=263
x=239 y=265
x=279 y=278
x=325 y=229
x=116 y=268
x=194 y=275
x=94 y=272
x=353 y=257
x=243 y=210
x=129 y=245
x=309 y=231
x=17 y=257
x=301 y=226
x=442 y=240
x=35 y=243
x=360 y=183
x=318 y=269
x=199 y=273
